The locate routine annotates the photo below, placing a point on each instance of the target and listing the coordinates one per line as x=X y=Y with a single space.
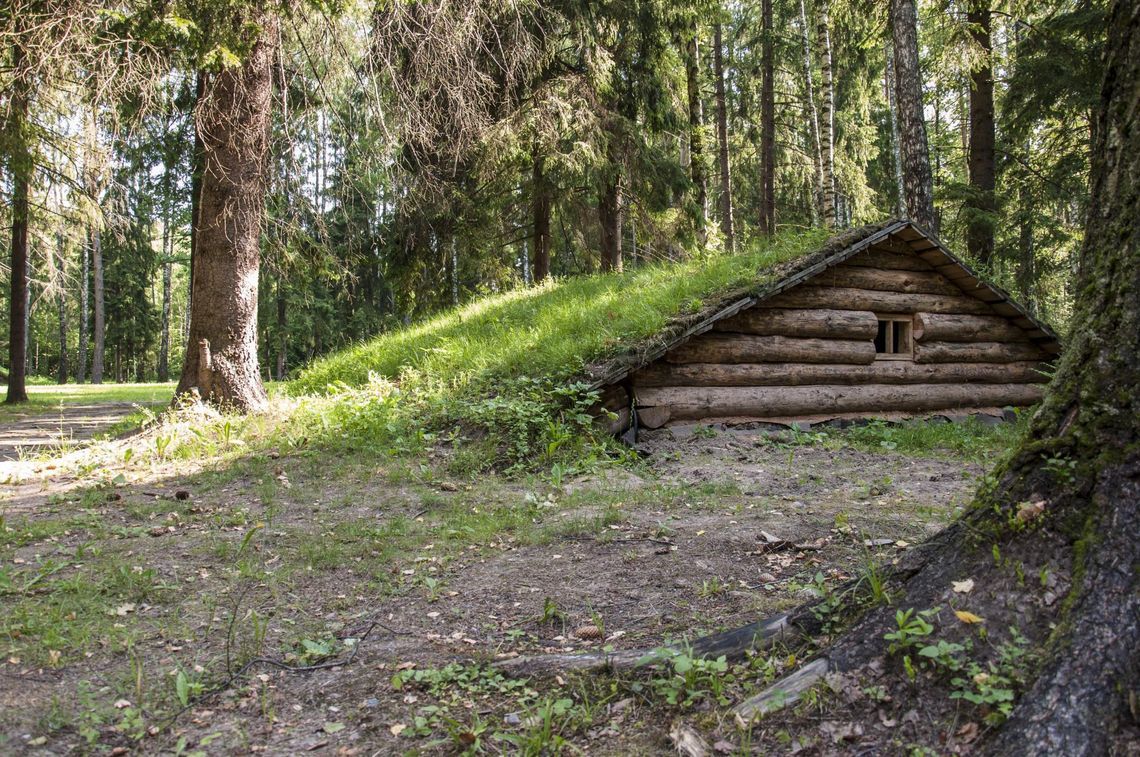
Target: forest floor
x=133 y=588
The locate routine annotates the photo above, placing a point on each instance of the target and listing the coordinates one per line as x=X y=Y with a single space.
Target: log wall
x=810 y=351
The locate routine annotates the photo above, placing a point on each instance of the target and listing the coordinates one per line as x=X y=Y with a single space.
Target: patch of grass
x=551 y=330
x=969 y=440
x=44 y=398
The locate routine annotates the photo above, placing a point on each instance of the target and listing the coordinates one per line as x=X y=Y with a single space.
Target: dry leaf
x=122 y=704
x=968 y=732
x=397 y=728
x=968 y=617
x=963 y=587
x=1030 y=510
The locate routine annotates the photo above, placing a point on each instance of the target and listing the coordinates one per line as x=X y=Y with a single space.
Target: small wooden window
x=894 y=339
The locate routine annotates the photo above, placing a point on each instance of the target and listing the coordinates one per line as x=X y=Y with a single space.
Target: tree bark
x=697 y=171
x=20 y=173
x=917 y=179
x=976 y=352
x=99 y=326
x=767 y=123
x=982 y=206
x=965 y=328
x=61 y=259
x=84 y=285
x=827 y=116
x=540 y=206
x=282 y=333
x=163 y=369
x=727 y=225
x=891 y=82
x=609 y=217
x=233 y=120
x=813 y=115
x=806 y=296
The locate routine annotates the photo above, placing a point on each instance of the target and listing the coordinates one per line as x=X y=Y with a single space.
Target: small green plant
x=711 y=587
x=1062 y=468
x=682 y=680
x=551 y=613
x=912 y=628
x=829 y=610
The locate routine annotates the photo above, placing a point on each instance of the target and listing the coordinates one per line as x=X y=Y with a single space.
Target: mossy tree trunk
x=1066 y=507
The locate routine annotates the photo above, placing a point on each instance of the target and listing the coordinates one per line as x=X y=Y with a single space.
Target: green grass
x=554 y=330
x=44 y=398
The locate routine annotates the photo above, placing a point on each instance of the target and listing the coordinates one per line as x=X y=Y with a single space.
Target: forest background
x=422 y=155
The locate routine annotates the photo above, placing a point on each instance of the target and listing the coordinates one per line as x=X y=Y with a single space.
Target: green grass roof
x=560 y=328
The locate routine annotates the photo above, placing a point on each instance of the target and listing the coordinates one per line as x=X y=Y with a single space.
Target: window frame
x=892 y=319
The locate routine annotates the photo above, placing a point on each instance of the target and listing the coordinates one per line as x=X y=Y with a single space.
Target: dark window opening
x=893 y=339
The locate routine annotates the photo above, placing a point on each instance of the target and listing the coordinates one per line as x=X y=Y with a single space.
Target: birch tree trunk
x=61 y=286
x=767 y=124
x=982 y=206
x=813 y=115
x=167 y=254
x=917 y=179
x=726 y=220
x=827 y=116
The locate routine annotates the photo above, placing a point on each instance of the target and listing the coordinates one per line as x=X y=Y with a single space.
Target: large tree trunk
x=767 y=123
x=609 y=217
x=233 y=120
x=282 y=332
x=726 y=221
x=20 y=171
x=981 y=208
x=696 y=132
x=827 y=117
x=1064 y=508
x=813 y=114
x=917 y=179
x=540 y=206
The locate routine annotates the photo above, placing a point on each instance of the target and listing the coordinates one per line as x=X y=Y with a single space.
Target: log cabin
x=883 y=321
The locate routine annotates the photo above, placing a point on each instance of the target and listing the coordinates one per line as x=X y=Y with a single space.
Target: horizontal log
x=803 y=374
x=745 y=348
x=877 y=258
x=913 y=282
x=851 y=298
x=957 y=327
x=976 y=352
x=817 y=322
x=694 y=402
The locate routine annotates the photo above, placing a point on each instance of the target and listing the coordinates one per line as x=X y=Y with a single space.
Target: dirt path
x=66 y=425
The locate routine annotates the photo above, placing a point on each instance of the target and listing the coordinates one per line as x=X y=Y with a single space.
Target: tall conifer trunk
x=813 y=115
x=99 y=326
x=981 y=207
x=609 y=218
x=61 y=259
x=918 y=183
x=540 y=207
x=696 y=132
x=891 y=86
x=19 y=171
x=726 y=221
x=84 y=285
x=233 y=120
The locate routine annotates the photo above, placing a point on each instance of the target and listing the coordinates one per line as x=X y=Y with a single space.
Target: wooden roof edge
x=1007 y=298
x=884 y=232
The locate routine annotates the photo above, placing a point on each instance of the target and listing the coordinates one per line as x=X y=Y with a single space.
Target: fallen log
x=958 y=327
x=820 y=323
x=803 y=374
x=976 y=352
x=720 y=348
x=807 y=296
x=694 y=403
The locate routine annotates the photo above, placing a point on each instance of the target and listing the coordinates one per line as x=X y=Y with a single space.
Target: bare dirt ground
x=37 y=432
x=130 y=599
